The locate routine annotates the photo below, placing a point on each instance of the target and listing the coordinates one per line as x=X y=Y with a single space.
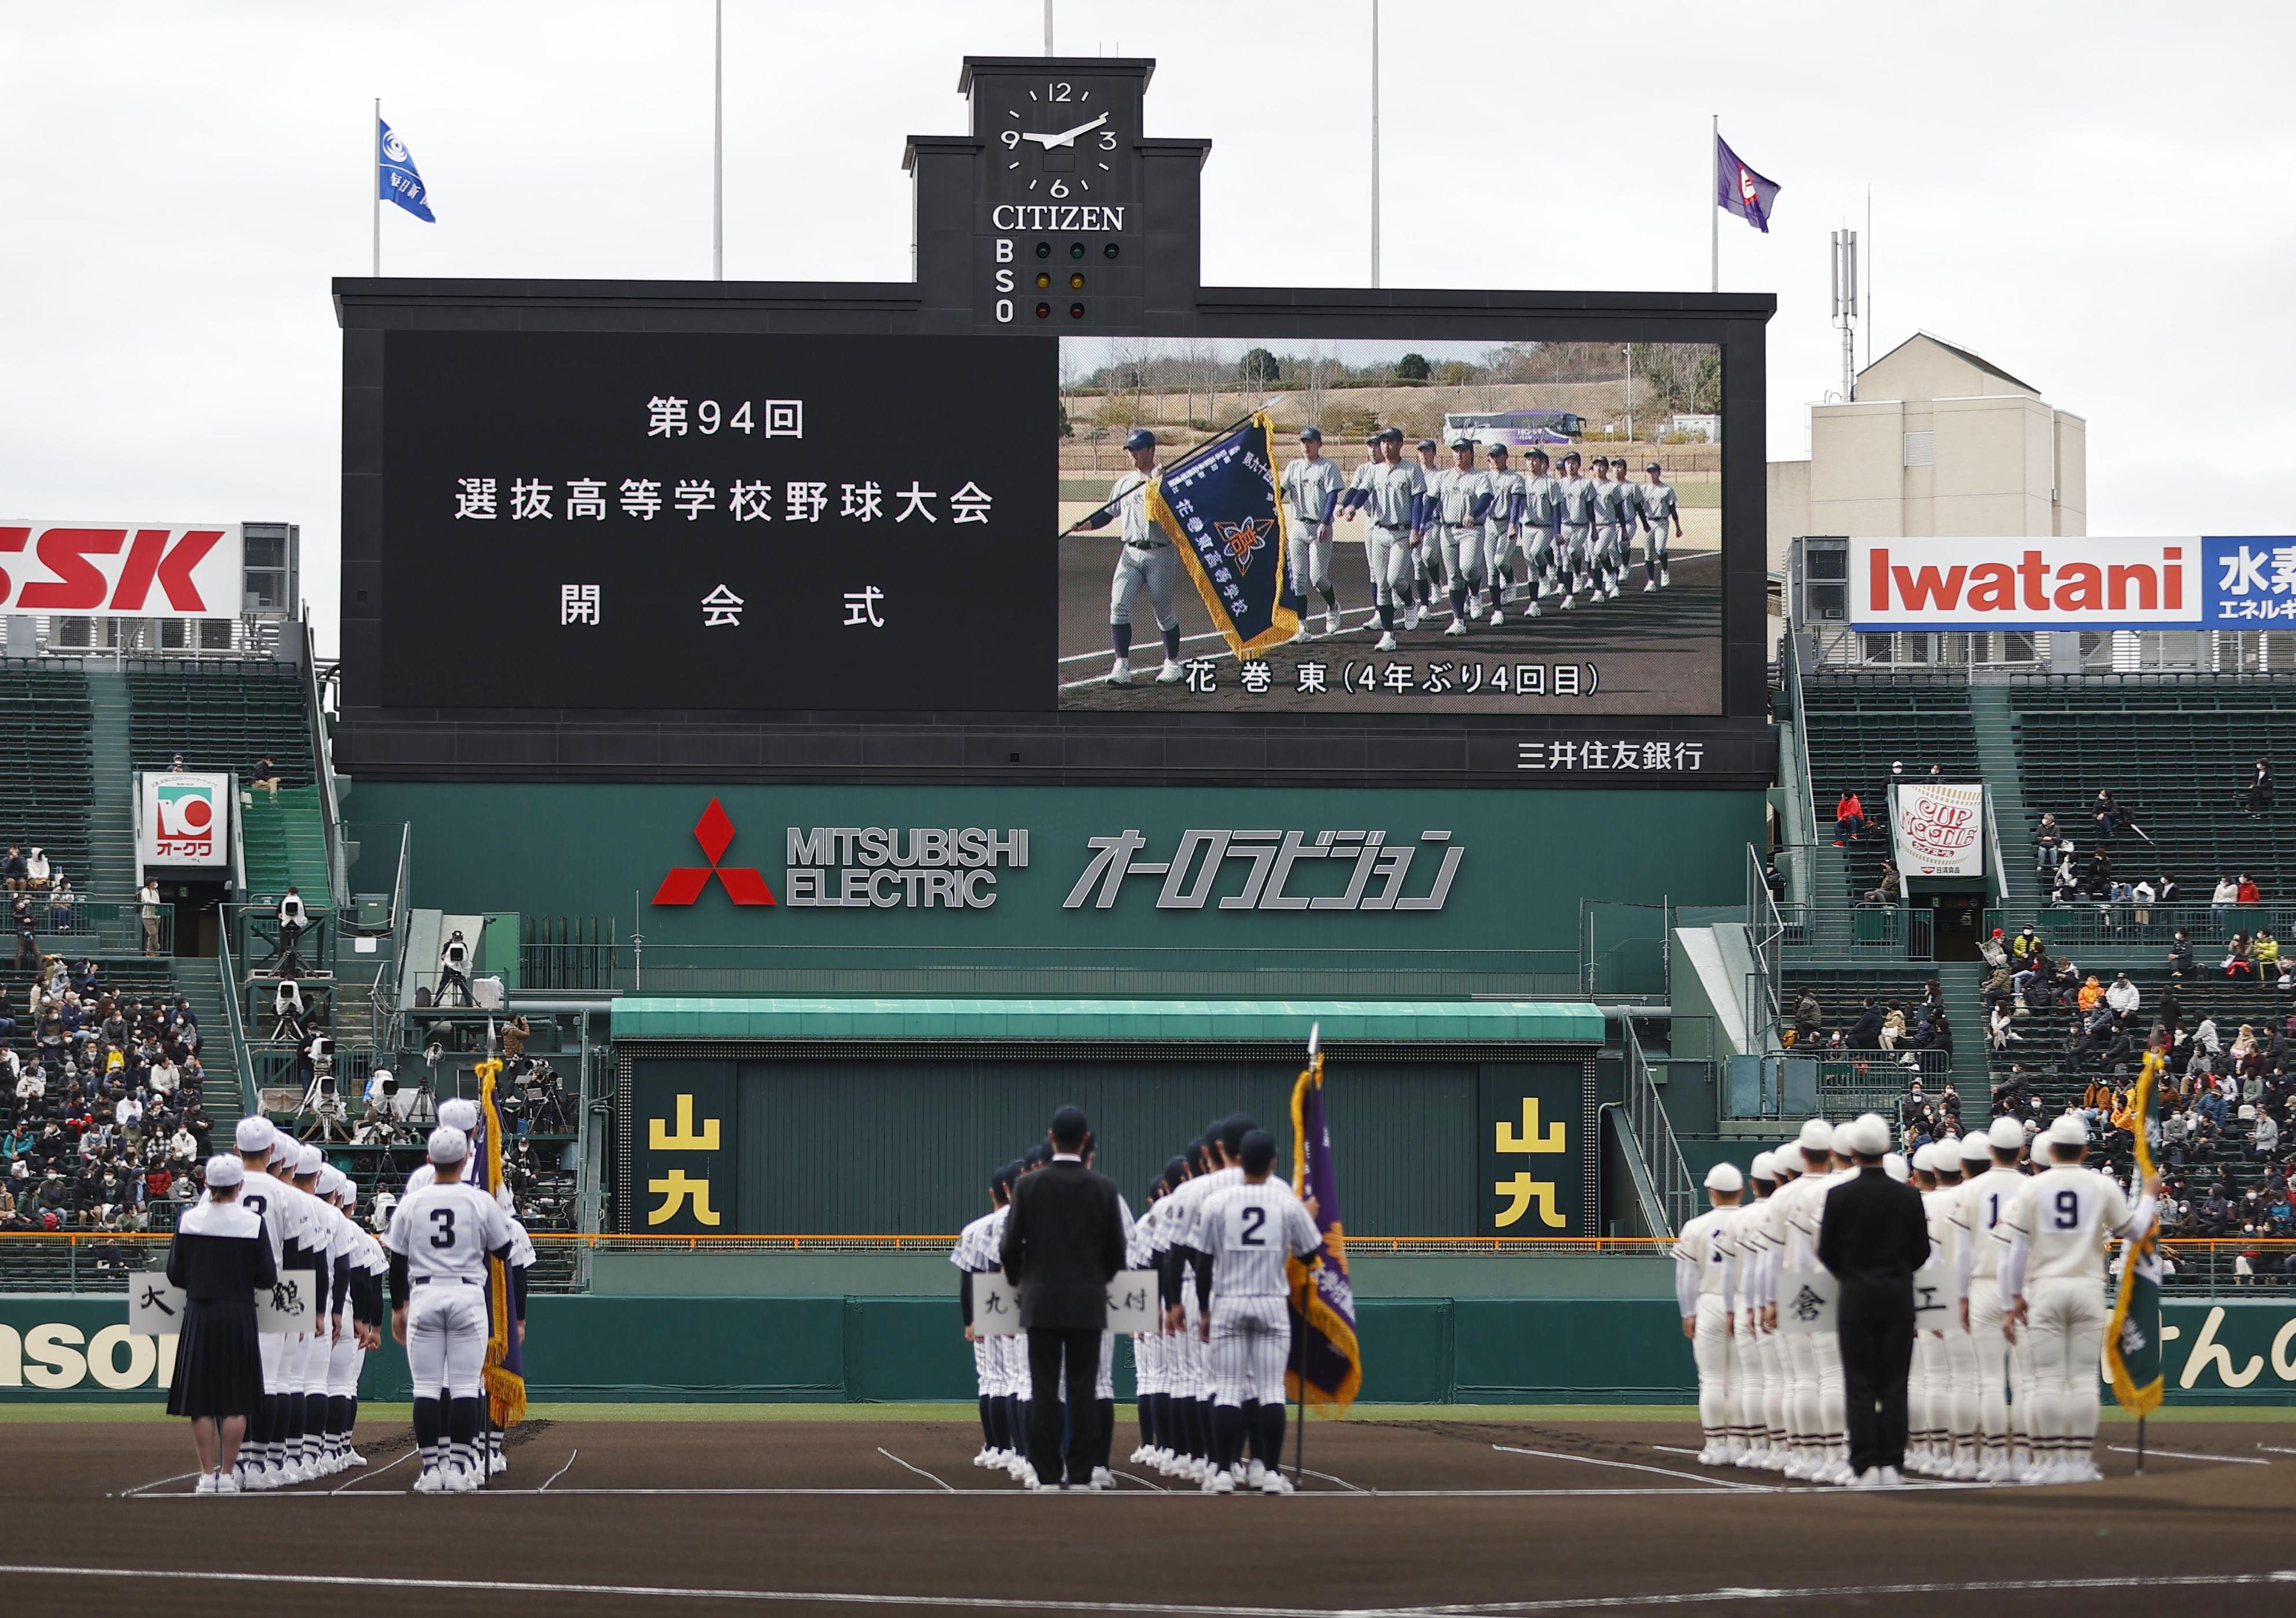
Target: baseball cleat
x=1275 y=1482
x=1139 y=1455
x=1255 y=1472
x=1220 y=1482
x=1301 y=633
x=1102 y=1478
x=1386 y=641
x=1121 y=672
x=1714 y=1455
x=498 y=1463
x=1412 y=615
x=1170 y=674
x=1665 y=577
x=1648 y=585
x=1475 y=606
x=1497 y=618
x=1331 y=622
x=225 y=1484
x=431 y=1481
x=207 y=1483
x=461 y=1480
x=1458 y=626
x=1569 y=600
x=987 y=1458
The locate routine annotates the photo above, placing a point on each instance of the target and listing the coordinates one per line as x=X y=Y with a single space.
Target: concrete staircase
x=1996 y=724
x=1961 y=982
x=286 y=841
x=197 y=978
x=111 y=875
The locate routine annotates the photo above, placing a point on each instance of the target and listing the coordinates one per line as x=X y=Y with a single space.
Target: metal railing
x=322 y=769
x=1765 y=934
x=97 y=926
x=2092 y=925
x=1653 y=1134
x=1803 y=802
x=961 y=970
x=234 y=1029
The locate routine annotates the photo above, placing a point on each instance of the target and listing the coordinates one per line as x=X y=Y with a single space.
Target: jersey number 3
x=444 y=1217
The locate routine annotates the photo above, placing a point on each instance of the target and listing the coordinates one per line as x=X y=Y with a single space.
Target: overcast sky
x=2092 y=195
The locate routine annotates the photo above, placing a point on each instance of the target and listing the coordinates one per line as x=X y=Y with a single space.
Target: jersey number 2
x=444 y=1217
x=1250 y=1236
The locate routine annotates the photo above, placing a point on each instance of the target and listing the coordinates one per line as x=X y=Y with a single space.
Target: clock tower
x=1056 y=213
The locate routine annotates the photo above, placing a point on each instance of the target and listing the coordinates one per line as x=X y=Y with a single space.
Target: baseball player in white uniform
x=1183 y=1312
x=1311 y=493
x=1976 y=1155
x=456 y=1113
x=1777 y=1377
x=1394 y=505
x=1147 y=562
x=1983 y=1203
x=303 y=1226
x=1928 y=1386
x=1575 y=497
x=1705 y=1259
x=976 y=1253
x=1657 y=506
x=1819 y=1416
x=359 y=1319
x=1749 y=1340
x=439 y=1240
x=1459 y=498
x=254 y=1139
x=1613 y=524
x=2060 y=1226
x=1542 y=527
x=1502 y=528
x=330 y=1249
x=1427 y=557
x=1245 y=1232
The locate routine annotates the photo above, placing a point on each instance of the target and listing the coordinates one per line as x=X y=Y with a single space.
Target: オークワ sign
x=183 y=819
x=110 y=570
x=2186 y=582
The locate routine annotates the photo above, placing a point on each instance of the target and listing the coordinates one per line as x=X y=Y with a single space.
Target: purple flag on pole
x=1327 y=1365
x=1739 y=189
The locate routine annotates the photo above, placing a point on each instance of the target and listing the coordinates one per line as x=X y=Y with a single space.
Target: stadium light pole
x=374 y=182
x=1048 y=27
x=717 y=151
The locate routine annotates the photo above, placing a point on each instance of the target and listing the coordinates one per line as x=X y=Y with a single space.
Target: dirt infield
x=1421 y=1516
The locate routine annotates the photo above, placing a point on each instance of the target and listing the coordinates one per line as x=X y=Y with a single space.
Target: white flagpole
x=374 y=182
x=1375 y=142
x=1713 y=197
x=718 y=155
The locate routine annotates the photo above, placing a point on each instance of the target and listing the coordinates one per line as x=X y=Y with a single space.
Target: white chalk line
x=554 y=1477
x=2187 y=1455
x=2276 y=1449
x=1733 y=1593
x=1672 y=1450
x=1621 y=1493
x=364 y=1474
x=155 y=1483
x=897 y=1461
x=1343 y=1482
x=1692 y=1477
x=1143 y=1482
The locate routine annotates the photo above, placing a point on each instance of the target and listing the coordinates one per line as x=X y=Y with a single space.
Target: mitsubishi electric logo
x=743 y=884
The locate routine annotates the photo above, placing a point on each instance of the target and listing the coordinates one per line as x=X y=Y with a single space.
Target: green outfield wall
x=1417 y=1350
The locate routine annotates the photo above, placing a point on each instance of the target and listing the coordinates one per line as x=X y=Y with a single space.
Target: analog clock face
x=1057 y=140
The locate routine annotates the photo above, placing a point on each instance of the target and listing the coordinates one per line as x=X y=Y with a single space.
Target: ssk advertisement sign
x=1939 y=830
x=184 y=819
x=120 y=570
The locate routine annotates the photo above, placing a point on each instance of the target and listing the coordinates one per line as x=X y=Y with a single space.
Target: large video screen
x=1389 y=526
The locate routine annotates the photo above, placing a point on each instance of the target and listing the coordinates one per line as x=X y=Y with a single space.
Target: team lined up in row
x=1217 y=1229
x=2003 y=1382
x=275 y=1409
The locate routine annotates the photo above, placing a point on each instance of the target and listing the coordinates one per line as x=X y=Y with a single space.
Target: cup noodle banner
x=1939 y=830
x=114 y=570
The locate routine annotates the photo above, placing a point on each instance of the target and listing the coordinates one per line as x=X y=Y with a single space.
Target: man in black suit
x=1873 y=1235
x=1063 y=1244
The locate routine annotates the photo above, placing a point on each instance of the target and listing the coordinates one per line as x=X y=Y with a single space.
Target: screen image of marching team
x=1400 y=525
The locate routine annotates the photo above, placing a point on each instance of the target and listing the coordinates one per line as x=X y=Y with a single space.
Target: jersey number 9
x=2068 y=1211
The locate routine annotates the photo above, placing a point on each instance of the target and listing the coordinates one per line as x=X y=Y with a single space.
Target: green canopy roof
x=673 y=1017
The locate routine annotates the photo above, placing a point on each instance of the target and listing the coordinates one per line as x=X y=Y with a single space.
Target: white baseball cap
x=223 y=1172
x=1925 y=1157
x=1725 y=1176
x=1865 y=1136
x=459 y=1112
x=254 y=1134
x=2069 y=1132
x=1976 y=1147
x=1764 y=1167
x=448 y=1144
x=1816 y=1136
x=1895 y=1165
x=330 y=1179
x=310 y=1159
x=1787 y=1159
x=2006 y=1135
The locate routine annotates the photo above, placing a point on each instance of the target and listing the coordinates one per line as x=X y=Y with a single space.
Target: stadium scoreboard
x=858 y=531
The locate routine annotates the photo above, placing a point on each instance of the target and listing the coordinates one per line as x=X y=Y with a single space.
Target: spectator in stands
x=2246 y=892
x=2068 y=885
x=1848 y=819
x=2180 y=956
x=163 y=1077
x=1806 y=1018
x=265 y=777
x=2091 y=994
x=62 y=903
x=1866 y=1033
x=2226 y=895
x=2108 y=815
x=2256 y=797
x=2239 y=960
x=2026 y=943
x=2141 y=897
x=1999 y=988
x=12 y=869
x=2045 y=838
x=2096 y=882
x=2267 y=950
x=2000 y=1027
x=37 y=872
x=27 y=936
x=1890 y=887
x=1893 y=1028
x=2123 y=996
x=148 y=903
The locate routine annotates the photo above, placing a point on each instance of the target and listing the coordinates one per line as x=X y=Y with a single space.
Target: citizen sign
x=1279 y=871
x=925 y=868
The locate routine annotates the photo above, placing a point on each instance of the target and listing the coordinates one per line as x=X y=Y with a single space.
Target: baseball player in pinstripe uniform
x=1502 y=528
x=1705 y=1259
x=1983 y=1202
x=1761 y=1317
x=1311 y=491
x=1147 y=562
x=975 y=1253
x=1658 y=507
x=359 y=1319
x=1976 y=1154
x=1459 y=499
x=1244 y=1233
x=1749 y=1438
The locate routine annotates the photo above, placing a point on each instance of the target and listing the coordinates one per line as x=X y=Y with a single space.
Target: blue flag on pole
x=397 y=178
x=1220 y=508
x=1739 y=189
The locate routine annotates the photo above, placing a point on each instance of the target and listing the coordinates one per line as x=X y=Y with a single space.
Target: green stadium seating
x=219 y=716
x=1858 y=726
x=46 y=793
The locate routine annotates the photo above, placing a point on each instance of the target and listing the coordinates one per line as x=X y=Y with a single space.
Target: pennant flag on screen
x=2132 y=1336
x=1220 y=508
x=397 y=178
x=1739 y=189
x=1326 y=1363
x=506 y=1357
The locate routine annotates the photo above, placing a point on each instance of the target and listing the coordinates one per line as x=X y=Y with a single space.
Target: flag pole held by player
x=1327 y=1357
x=2132 y=1336
x=1108 y=507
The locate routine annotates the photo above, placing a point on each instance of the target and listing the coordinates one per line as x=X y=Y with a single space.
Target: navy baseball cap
x=1653 y=466
x=1427 y=443
x=1069 y=1127
x=1494 y=449
x=1393 y=435
x=1140 y=438
x=1258 y=1151
x=1373 y=436
x=1463 y=442
x=1311 y=435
